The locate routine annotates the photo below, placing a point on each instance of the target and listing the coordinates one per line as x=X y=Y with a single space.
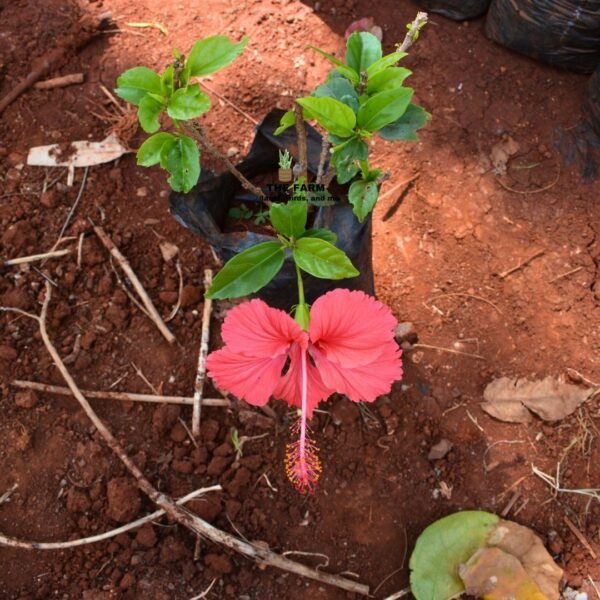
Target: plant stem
x=198 y=134
x=300 y=286
x=413 y=31
x=301 y=139
x=324 y=152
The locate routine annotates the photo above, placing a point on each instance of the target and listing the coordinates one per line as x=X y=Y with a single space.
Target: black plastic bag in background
x=564 y=33
x=458 y=10
x=591 y=108
x=204 y=209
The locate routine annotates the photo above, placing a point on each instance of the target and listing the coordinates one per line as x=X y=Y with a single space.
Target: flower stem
x=300 y=286
x=302 y=314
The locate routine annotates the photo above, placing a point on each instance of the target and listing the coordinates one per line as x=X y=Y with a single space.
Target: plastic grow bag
x=565 y=33
x=458 y=10
x=592 y=102
x=204 y=209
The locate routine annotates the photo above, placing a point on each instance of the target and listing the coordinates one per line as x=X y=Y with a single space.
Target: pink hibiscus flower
x=349 y=348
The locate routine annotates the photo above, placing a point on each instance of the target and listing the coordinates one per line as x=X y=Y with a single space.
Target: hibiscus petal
x=366 y=382
x=350 y=327
x=289 y=387
x=255 y=329
x=249 y=378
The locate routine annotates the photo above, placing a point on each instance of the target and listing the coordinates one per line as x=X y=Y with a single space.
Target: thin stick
x=399 y=594
x=35 y=257
x=505 y=274
x=542 y=189
x=180 y=290
x=474 y=421
x=205 y=592
x=571 y=272
x=579 y=536
x=80 y=249
x=325 y=145
x=398 y=186
x=221 y=97
x=114 y=251
x=123 y=396
x=180 y=513
x=201 y=371
x=198 y=134
x=450 y=350
x=465 y=295
x=59 y=82
x=129 y=294
x=15 y=543
x=301 y=141
x=594 y=586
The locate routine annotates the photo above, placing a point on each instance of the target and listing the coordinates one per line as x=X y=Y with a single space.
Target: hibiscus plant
x=344 y=343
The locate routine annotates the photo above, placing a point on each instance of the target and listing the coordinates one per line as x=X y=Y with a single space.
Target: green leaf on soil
x=363 y=49
x=182 y=159
x=331 y=114
x=135 y=83
x=248 y=271
x=150 y=151
x=188 y=103
x=322 y=259
x=289 y=219
x=212 y=54
x=442 y=548
x=384 y=108
x=405 y=128
x=148 y=111
x=363 y=195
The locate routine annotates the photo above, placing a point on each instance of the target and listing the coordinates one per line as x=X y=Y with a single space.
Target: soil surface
x=441 y=247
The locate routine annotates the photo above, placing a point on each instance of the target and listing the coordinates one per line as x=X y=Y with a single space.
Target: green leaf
x=148 y=112
x=289 y=219
x=188 y=103
x=322 y=259
x=383 y=108
x=330 y=57
x=322 y=234
x=287 y=120
x=340 y=89
x=135 y=83
x=182 y=160
x=363 y=195
x=167 y=81
x=331 y=114
x=363 y=49
x=248 y=271
x=213 y=53
x=405 y=128
x=388 y=79
x=150 y=151
x=344 y=159
x=348 y=73
x=386 y=61
x=442 y=548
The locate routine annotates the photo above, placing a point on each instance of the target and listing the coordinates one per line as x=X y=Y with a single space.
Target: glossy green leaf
x=344 y=159
x=322 y=234
x=188 y=103
x=213 y=53
x=135 y=83
x=388 y=79
x=405 y=128
x=442 y=548
x=383 y=108
x=384 y=62
x=182 y=160
x=363 y=195
x=289 y=219
x=148 y=112
x=322 y=259
x=340 y=89
x=330 y=57
x=248 y=271
x=363 y=49
x=150 y=151
x=287 y=120
x=333 y=115
x=167 y=81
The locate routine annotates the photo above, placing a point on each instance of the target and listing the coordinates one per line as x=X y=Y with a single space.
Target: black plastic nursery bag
x=458 y=10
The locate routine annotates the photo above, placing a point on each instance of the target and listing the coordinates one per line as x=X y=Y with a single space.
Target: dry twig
x=180 y=513
x=450 y=350
x=124 y=396
x=201 y=371
x=301 y=140
x=580 y=536
x=115 y=252
x=35 y=257
x=505 y=274
x=59 y=82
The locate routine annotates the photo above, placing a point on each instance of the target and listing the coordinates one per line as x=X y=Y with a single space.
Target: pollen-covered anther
x=303 y=469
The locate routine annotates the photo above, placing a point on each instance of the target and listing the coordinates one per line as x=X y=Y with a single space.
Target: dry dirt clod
x=26 y=399
x=440 y=450
x=124 y=501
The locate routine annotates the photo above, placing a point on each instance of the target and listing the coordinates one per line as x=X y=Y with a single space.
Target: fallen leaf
x=512 y=400
x=77 y=154
x=168 y=251
x=493 y=574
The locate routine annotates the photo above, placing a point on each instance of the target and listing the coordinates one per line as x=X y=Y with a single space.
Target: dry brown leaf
x=512 y=400
x=493 y=574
